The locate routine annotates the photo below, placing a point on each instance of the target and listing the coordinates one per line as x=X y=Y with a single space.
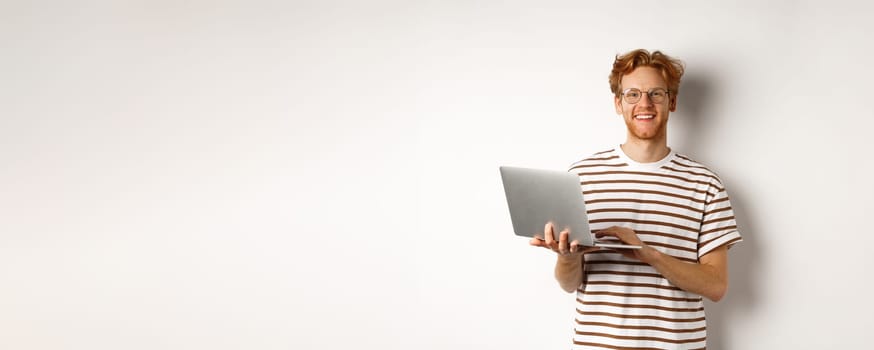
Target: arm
x=708 y=277
x=569 y=264
x=569 y=272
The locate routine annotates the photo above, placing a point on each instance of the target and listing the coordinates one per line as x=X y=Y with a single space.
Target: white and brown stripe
x=677 y=206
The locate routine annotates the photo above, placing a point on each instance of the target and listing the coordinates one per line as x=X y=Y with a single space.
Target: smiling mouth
x=644 y=116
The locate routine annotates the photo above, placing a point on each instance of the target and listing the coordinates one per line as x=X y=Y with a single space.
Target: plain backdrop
x=323 y=174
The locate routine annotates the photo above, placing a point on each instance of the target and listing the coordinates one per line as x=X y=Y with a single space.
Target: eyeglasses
x=632 y=95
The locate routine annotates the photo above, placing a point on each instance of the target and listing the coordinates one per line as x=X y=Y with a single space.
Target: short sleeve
x=718 y=226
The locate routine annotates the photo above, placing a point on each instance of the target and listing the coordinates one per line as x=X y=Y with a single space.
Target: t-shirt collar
x=646 y=166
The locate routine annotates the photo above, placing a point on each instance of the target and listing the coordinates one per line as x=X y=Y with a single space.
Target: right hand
x=561 y=246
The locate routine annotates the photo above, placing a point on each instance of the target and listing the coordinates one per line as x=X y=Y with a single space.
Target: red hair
x=671 y=68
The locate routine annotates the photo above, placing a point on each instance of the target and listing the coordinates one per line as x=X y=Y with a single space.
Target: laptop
x=537 y=196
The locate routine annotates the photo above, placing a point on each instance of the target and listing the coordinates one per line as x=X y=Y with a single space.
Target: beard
x=651 y=130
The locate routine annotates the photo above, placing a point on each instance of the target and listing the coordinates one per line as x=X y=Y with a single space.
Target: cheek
x=625 y=111
x=664 y=108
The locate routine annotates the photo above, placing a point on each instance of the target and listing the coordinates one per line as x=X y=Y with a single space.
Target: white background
x=323 y=175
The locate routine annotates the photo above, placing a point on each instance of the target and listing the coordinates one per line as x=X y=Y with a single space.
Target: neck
x=645 y=151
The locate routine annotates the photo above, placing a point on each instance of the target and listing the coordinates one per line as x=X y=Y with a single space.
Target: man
x=644 y=193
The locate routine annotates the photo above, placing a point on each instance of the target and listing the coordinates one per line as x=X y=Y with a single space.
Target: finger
x=537 y=241
x=562 y=242
x=611 y=229
x=600 y=234
x=548 y=235
x=575 y=246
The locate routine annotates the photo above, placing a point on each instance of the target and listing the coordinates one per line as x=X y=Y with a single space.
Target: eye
x=633 y=94
x=657 y=93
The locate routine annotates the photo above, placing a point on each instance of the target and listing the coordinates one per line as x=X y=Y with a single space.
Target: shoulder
x=603 y=158
x=689 y=167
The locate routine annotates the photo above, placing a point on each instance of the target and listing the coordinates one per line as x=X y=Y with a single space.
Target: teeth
x=644 y=116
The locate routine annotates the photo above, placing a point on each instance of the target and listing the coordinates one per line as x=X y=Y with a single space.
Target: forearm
x=699 y=278
x=569 y=272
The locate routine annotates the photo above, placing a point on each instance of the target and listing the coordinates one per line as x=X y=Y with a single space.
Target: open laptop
x=536 y=197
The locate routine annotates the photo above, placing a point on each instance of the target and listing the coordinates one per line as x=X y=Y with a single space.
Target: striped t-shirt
x=675 y=205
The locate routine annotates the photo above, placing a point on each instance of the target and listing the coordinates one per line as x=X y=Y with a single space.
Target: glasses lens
x=658 y=95
x=632 y=96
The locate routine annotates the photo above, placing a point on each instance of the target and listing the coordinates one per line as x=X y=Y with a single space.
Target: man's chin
x=645 y=135
x=647 y=131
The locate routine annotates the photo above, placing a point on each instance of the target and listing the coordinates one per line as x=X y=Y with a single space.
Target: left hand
x=628 y=236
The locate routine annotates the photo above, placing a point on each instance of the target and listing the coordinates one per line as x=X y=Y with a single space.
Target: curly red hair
x=671 y=68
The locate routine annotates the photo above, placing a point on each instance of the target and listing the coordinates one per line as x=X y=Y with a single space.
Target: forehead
x=643 y=78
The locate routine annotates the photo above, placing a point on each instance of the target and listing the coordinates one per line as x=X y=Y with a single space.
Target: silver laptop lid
x=536 y=197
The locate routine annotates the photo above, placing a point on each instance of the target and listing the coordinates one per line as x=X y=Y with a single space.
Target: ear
x=673 y=104
x=617 y=103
